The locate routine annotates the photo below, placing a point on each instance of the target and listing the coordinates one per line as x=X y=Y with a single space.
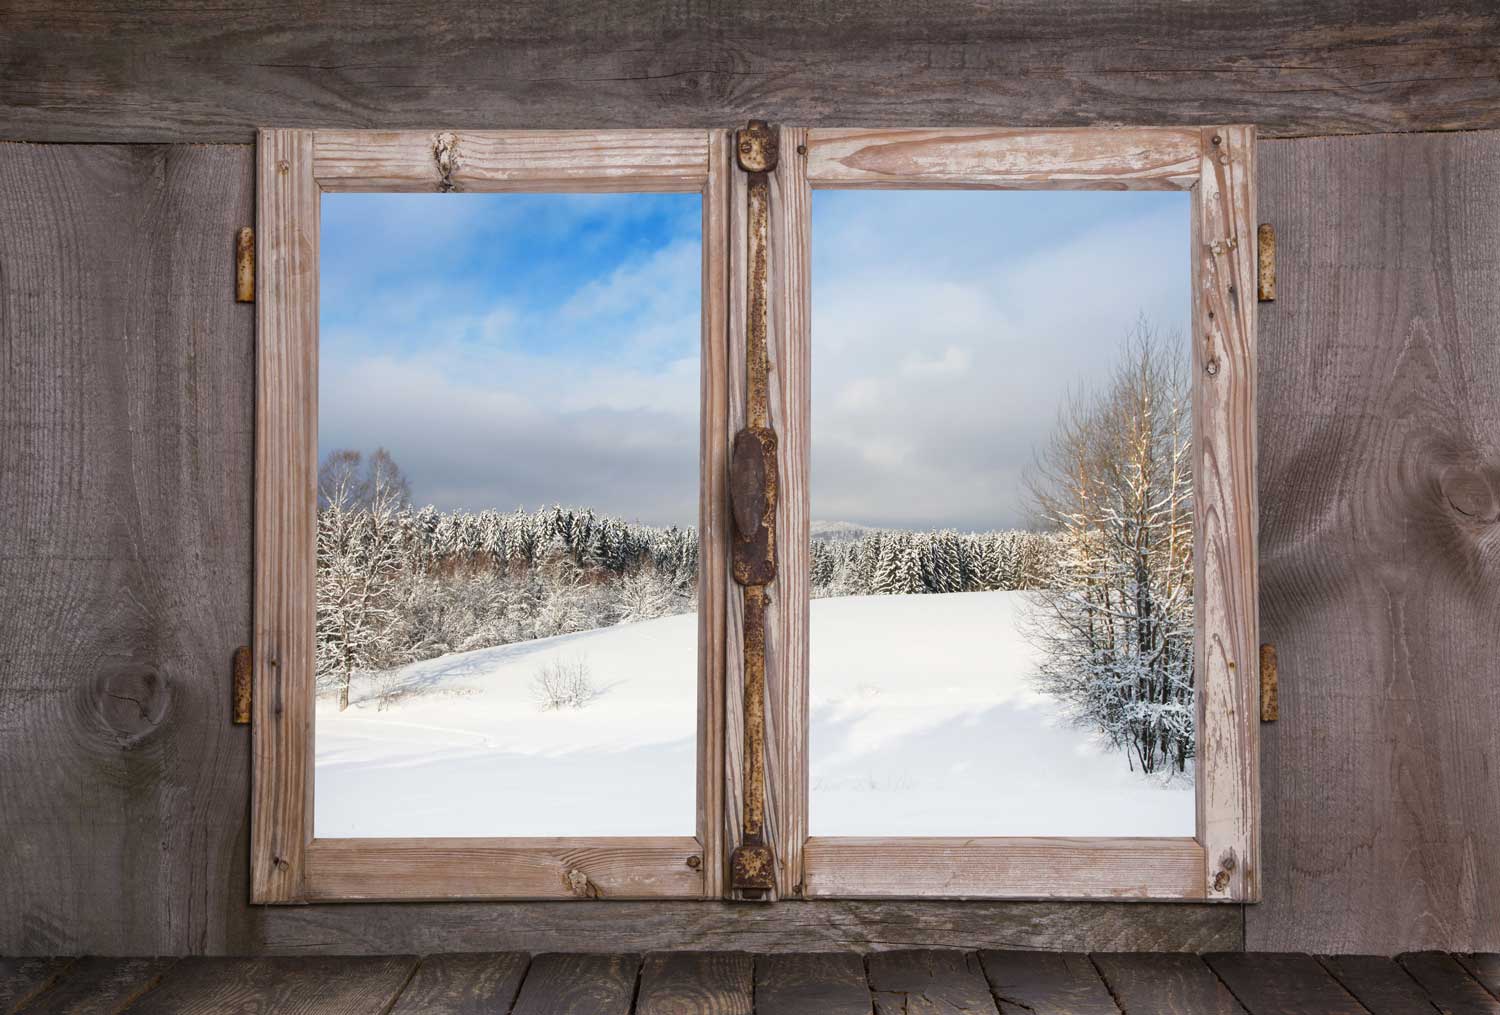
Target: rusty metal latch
x=1265 y=262
x=244 y=265
x=1270 y=692
x=242 y=685
x=752 y=495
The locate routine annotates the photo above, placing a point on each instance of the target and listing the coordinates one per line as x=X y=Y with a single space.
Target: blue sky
x=518 y=350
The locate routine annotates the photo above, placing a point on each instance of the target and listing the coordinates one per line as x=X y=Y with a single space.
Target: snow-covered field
x=923 y=723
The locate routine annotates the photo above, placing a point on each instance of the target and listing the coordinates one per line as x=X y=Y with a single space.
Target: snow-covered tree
x=1116 y=623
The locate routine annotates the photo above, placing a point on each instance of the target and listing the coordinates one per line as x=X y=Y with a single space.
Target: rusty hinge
x=1270 y=704
x=752 y=495
x=244 y=265
x=1265 y=251
x=242 y=685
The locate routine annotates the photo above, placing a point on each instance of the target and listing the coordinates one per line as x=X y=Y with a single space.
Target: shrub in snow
x=563 y=684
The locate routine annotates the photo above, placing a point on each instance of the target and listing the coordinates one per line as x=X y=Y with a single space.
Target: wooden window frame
x=1221 y=861
x=294 y=168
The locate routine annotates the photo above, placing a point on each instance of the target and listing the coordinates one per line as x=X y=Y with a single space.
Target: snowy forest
x=1107 y=572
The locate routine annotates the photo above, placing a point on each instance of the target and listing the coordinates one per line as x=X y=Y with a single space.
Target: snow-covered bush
x=563 y=683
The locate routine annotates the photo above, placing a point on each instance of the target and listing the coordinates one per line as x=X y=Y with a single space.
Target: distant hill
x=839 y=532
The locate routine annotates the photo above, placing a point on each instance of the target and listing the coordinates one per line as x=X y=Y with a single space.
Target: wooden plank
x=285 y=986
x=1448 y=985
x=1380 y=984
x=714 y=580
x=697 y=983
x=21 y=980
x=577 y=869
x=1379 y=430
x=789 y=926
x=1165 y=984
x=579 y=985
x=95 y=986
x=1226 y=517
x=920 y=982
x=1127 y=158
x=501 y=160
x=1484 y=967
x=463 y=985
x=790 y=340
x=286 y=464
x=126 y=452
x=1046 y=983
x=178 y=72
x=858 y=867
x=1282 y=984
x=812 y=983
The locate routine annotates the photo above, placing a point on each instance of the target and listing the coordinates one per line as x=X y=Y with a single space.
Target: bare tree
x=1116 y=622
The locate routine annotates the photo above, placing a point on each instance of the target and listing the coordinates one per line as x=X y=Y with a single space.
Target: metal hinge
x=242 y=686
x=752 y=494
x=1265 y=251
x=1270 y=704
x=244 y=265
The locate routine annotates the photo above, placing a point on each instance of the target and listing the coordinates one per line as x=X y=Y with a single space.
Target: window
x=906 y=426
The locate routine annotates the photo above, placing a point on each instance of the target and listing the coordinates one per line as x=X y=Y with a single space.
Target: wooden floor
x=732 y=983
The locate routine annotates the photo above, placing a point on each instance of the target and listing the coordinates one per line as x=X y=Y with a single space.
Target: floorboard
x=23 y=979
x=697 y=983
x=1046 y=983
x=1484 y=967
x=1165 y=984
x=579 y=985
x=1449 y=985
x=464 y=985
x=1380 y=984
x=1283 y=984
x=95 y=986
x=820 y=983
x=929 y=983
x=334 y=985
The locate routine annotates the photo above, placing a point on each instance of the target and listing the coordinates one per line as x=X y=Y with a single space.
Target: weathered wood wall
x=176 y=70
x=126 y=386
x=1380 y=544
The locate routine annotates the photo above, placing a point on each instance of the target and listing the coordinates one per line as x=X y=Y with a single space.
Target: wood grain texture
x=1226 y=775
x=333 y=985
x=817 y=983
x=1165 y=985
x=714 y=578
x=1046 y=983
x=531 y=160
x=1380 y=984
x=787 y=712
x=579 y=985
x=324 y=985
x=170 y=70
x=697 y=983
x=1449 y=985
x=22 y=980
x=921 y=982
x=95 y=986
x=1380 y=582
x=127 y=412
x=463 y=985
x=1023 y=867
x=1282 y=984
x=286 y=465
x=1129 y=158
x=789 y=926
x=1484 y=967
x=511 y=868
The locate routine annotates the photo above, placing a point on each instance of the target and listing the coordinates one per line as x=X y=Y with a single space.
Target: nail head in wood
x=242 y=686
x=1270 y=705
x=244 y=265
x=1266 y=262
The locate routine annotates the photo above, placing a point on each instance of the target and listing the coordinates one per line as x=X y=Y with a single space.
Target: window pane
x=1002 y=626
x=508 y=494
